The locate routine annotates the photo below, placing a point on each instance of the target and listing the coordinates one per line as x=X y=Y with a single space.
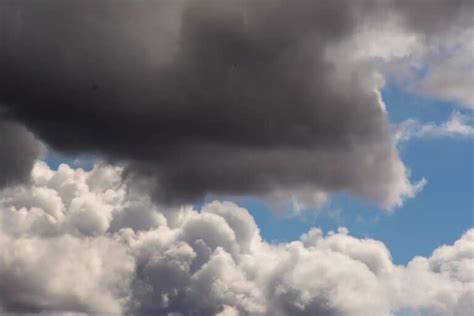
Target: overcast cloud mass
x=18 y=152
x=220 y=97
x=81 y=241
x=182 y=99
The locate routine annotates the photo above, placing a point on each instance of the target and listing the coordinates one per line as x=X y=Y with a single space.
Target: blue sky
x=439 y=214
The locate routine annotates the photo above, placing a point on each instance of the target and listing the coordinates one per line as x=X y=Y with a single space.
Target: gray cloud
x=62 y=253
x=451 y=77
x=435 y=18
x=271 y=98
x=205 y=97
x=18 y=152
x=439 y=63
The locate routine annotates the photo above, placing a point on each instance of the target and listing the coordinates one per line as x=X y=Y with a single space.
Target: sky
x=445 y=206
x=237 y=158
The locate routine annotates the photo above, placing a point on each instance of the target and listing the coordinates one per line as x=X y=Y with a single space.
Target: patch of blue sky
x=54 y=159
x=402 y=105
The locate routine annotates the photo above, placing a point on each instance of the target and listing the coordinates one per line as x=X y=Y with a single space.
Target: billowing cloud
x=69 y=245
x=18 y=152
x=274 y=98
x=214 y=97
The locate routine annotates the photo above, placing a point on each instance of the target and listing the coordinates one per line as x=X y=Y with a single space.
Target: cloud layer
x=82 y=242
x=217 y=97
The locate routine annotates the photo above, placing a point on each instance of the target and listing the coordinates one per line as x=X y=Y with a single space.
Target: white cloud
x=437 y=67
x=79 y=241
x=459 y=125
x=450 y=74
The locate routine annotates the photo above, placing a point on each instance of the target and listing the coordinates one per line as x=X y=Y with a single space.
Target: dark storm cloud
x=222 y=97
x=18 y=152
x=435 y=17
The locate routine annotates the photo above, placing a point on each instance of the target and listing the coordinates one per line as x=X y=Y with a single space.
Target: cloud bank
x=220 y=97
x=83 y=242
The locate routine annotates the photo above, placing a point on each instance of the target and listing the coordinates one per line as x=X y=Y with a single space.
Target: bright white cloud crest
x=78 y=241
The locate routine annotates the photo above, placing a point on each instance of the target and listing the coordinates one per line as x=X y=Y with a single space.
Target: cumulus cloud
x=279 y=99
x=219 y=97
x=66 y=252
x=459 y=125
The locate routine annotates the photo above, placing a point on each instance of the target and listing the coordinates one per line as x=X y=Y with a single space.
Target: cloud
x=63 y=251
x=459 y=125
x=279 y=99
x=446 y=71
x=414 y=46
x=212 y=97
x=452 y=78
x=18 y=152
x=430 y=18
x=436 y=68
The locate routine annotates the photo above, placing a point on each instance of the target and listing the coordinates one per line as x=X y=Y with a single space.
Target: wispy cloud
x=459 y=125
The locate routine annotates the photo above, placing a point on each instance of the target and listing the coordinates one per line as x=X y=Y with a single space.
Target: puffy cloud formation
x=270 y=98
x=82 y=242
